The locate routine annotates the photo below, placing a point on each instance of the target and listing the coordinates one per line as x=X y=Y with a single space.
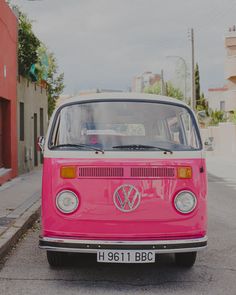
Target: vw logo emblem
x=126 y=198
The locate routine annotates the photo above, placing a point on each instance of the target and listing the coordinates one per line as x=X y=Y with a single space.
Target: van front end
x=121 y=196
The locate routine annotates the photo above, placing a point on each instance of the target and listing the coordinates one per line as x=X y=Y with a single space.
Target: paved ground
x=20 y=203
x=27 y=272
x=223 y=167
x=15 y=194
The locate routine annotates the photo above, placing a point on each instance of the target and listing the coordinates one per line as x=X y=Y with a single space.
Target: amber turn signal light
x=68 y=172
x=184 y=172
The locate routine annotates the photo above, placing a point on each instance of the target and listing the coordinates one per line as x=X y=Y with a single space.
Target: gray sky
x=104 y=43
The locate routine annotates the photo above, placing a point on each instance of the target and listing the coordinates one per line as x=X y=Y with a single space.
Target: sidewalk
x=19 y=207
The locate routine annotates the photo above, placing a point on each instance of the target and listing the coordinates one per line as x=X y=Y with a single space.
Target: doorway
x=35 y=140
x=1 y=134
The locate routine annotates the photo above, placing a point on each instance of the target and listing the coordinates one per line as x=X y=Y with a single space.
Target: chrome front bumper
x=93 y=246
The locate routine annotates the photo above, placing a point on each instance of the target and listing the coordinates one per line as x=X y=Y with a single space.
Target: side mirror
x=41 y=143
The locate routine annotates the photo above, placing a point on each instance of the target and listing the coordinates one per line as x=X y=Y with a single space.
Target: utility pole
x=193 y=100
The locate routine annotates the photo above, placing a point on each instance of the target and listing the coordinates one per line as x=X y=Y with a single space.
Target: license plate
x=125 y=256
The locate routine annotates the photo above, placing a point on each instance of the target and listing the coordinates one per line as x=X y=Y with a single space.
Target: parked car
x=124 y=177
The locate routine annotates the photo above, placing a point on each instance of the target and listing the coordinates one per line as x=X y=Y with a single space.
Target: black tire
x=56 y=259
x=185 y=259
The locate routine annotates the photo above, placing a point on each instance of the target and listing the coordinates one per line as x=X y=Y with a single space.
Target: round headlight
x=185 y=202
x=67 y=201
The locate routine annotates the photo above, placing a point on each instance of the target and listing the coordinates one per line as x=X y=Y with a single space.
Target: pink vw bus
x=125 y=178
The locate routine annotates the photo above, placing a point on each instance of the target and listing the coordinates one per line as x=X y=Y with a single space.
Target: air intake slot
x=97 y=172
x=153 y=172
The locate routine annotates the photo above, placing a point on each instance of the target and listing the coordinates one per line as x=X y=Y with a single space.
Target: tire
x=185 y=259
x=56 y=259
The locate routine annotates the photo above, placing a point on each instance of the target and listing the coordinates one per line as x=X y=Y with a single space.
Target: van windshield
x=121 y=125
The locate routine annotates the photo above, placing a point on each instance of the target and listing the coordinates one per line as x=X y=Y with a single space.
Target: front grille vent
x=154 y=172
x=101 y=172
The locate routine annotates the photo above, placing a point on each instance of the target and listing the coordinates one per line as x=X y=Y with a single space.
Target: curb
x=11 y=236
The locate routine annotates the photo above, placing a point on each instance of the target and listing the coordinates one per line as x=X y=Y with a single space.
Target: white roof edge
x=122 y=95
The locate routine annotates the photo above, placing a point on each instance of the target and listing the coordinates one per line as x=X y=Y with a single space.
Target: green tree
x=232 y=116
x=173 y=91
x=55 y=84
x=36 y=63
x=170 y=90
x=28 y=45
x=197 y=85
x=217 y=116
x=154 y=89
x=42 y=65
x=202 y=104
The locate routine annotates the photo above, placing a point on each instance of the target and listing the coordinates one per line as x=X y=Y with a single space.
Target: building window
x=41 y=122
x=222 y=105
x=22 y=121
x=35 y=140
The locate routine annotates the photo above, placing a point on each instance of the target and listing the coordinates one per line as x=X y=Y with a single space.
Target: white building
x=144 y=80
x=225 y=98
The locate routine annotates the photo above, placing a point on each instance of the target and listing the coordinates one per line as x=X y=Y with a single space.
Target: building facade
x=217 y=98
x=8 y=88
x=32 y=106
x=140 y=82
x=225 y=98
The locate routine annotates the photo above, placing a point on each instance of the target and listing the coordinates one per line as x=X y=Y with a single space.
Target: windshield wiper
x=141 y=147
x=78 y=146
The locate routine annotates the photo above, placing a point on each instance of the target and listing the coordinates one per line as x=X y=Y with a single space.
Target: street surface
x=26 y=270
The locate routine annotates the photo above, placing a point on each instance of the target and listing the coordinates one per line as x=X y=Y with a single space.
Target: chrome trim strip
x=100 y=245
x=110 y=242
x=94 y=251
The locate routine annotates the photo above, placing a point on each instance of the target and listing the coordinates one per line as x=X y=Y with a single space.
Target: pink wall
x=8 y=83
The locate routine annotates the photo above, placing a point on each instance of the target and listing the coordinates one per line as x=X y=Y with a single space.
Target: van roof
x=122 y=95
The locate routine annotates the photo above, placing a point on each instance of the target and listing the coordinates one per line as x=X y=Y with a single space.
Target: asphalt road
x=26 y=270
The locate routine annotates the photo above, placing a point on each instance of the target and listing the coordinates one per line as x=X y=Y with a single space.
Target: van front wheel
x=56 y=259
x=185 y=259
